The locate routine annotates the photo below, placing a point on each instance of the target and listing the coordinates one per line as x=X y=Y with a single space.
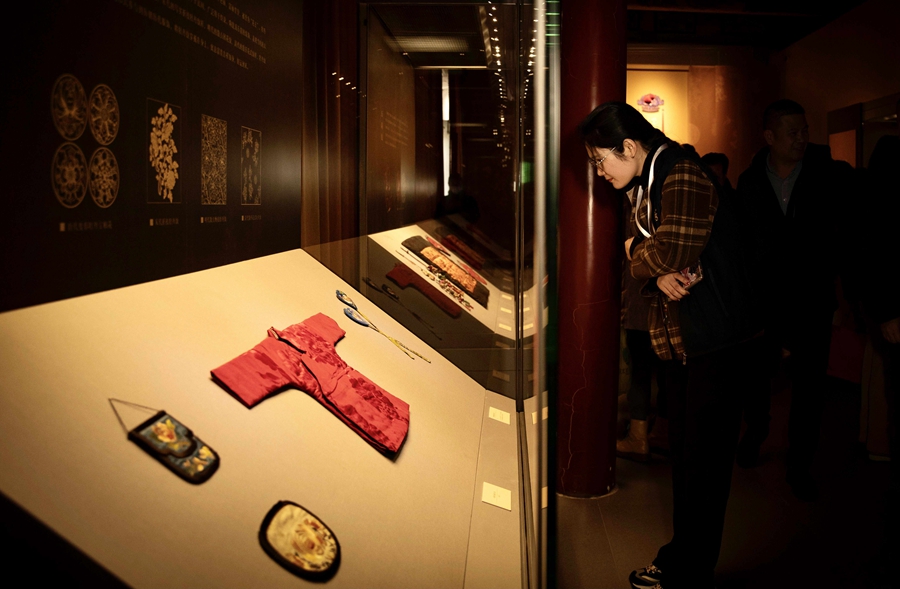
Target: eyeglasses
x=599 y=163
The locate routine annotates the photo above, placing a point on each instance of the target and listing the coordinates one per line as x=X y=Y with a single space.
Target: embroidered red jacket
x=303 y=355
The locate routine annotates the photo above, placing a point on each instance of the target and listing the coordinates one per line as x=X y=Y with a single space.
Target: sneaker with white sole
x=649 y=577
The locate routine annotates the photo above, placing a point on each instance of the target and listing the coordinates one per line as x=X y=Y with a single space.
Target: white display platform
x=491 y=564
x=64 y=458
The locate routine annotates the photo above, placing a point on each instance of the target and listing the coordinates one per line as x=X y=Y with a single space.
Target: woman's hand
x=671 y=286
x=628 y=247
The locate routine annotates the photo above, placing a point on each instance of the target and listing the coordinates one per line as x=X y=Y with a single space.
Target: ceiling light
x=433 y=43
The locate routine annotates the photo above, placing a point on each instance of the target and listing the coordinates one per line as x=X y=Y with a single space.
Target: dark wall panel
x=429 y=153
x=390 y=133
x=102 y=102
x=331 y=131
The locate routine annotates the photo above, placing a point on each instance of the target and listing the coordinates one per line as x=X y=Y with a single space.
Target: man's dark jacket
x=880 y=221
x=798 y=254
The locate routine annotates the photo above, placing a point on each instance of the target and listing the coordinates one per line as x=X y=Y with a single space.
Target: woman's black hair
x=611 y=123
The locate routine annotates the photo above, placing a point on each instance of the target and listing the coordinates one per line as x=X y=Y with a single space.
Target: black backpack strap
x=664 y=164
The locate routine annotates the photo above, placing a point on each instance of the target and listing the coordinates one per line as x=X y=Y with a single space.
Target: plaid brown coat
x=688 y=208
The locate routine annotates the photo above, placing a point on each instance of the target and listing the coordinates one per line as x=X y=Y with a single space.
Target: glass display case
x=455 y=137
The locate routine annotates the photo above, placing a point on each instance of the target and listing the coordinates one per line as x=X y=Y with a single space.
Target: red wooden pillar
x=593 y=52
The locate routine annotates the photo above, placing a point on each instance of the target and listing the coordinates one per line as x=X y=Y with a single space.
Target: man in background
x=793 y=198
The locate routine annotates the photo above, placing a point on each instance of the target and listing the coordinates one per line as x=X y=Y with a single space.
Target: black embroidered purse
x=173 y=444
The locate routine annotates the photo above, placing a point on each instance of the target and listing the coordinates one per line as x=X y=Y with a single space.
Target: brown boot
x=659 y=435
x=634 y=446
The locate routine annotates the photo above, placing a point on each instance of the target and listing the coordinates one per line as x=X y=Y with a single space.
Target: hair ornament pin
x=354 y=314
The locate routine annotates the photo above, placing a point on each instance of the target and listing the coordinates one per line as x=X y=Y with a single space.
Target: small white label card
x=499 y=415
x=534 y=417
x=544 y=413
x=497 y=496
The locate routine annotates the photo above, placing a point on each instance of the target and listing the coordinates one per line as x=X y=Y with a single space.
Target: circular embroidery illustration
x=69 y=175
x=104 y=177
x=104 y=114
x=68 y=104
x=299 y=541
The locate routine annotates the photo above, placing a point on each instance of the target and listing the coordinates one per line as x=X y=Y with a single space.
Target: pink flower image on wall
x=650 y=102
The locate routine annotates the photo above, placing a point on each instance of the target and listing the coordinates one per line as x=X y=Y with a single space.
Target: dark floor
x=771 y=539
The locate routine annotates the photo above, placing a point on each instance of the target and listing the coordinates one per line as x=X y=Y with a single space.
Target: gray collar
x=772 y=172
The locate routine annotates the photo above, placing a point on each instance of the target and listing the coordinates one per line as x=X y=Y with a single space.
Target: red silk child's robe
x=303 y=356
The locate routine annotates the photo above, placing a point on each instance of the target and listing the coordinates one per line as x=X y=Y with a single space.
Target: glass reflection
x=447 y=193
x=442 y=194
